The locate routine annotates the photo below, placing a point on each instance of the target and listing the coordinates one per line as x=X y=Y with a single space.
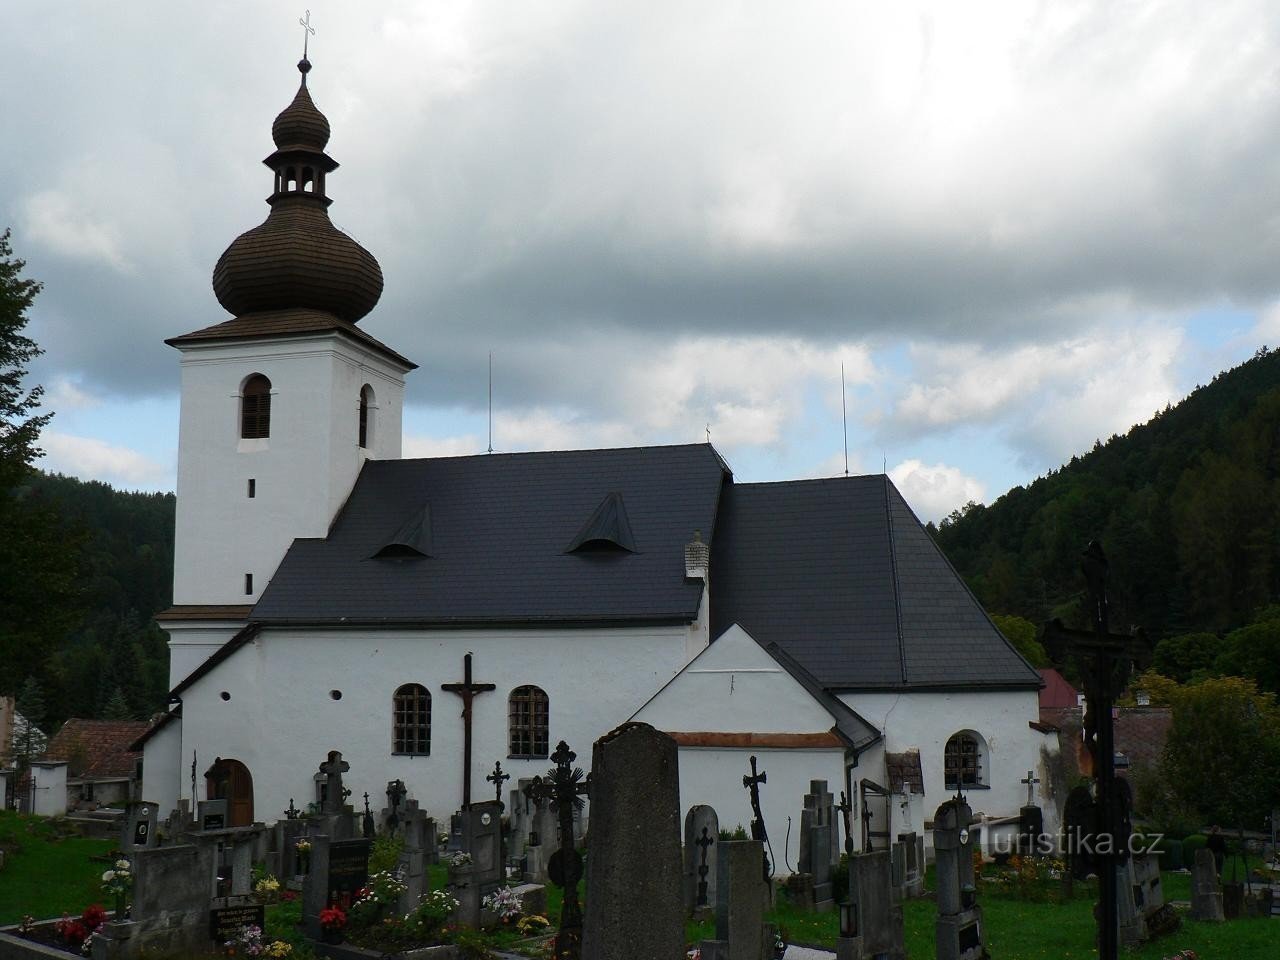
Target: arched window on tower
x=411 y=707
x=366 y=416
x=965 y=761
x=255 y=407
x=528 y=712
x=308 y=179
x=290 y=178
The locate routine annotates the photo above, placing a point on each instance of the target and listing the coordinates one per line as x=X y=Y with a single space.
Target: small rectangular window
x=248 y=583
x=253 y=488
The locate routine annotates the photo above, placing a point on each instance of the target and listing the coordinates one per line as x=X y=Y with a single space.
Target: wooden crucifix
x=467 y=691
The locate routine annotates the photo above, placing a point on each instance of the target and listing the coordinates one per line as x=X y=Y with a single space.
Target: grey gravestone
x=958 y=930
x=140 y=821
x=820 y=844
x=465 y=889
x=339 y=868
x=819 y=811
x=411 y=870
x=172 y=891
x=333 y=768
x=1206 y=895
x=1143 y=913
x=701 y=834
x=481 y=835
x=212 y=815
x=878 y=913
x=740 y=903
x=633 y=899
x=908 y=866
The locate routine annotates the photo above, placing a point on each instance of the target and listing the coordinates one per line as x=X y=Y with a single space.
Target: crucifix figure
x=292 y=812
x=308 y=31
x=704 y=842
x=333 y=769
x=846 y=811
x=395 y=797
x=758 y=832
x=369 y=828
x=467 y=691
x=565 y=786
x=1104 y=661
x=1031 y=781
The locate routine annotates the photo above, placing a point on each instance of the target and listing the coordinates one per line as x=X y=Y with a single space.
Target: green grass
x=48 y=871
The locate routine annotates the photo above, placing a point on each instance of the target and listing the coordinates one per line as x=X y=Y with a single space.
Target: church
x=430 y=617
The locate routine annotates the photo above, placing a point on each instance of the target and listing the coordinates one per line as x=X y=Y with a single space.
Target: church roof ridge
x=497 y=454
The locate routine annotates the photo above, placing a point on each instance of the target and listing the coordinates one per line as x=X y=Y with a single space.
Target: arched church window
x=412 y=709
x=307 y=179
x=964 y=761
x=366 y=415
x=255 y=407
x=529 y=724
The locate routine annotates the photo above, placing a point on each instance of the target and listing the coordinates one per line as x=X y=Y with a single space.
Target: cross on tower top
x=308 y=31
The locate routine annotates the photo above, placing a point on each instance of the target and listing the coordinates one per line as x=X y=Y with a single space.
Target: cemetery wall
x=282 y=718
x=304 y=470
x=927 y=720
x=714 y=777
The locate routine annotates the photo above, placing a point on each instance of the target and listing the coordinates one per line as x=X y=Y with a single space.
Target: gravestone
x=908 y=866
x=285 y=860
x=820 y=845
x=1206 y=895
x=878 y=925
x=958 y=930
x=740 y=903
x=140 y=821
x=464 y=888
x=1143 y=913
x=172 y=891
x=411 y=870
x=819 y=811
x=333 y=768
x=212 y=815
x=481 y=837
x=339 y=868
x=634 y=901
x=543 y=839
x=701 y=832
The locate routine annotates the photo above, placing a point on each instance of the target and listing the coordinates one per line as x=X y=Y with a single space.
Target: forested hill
x=1186 y=506
x=111 y=659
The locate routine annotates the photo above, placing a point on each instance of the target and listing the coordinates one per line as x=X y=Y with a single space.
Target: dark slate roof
x=843 y=577
x=499 y=527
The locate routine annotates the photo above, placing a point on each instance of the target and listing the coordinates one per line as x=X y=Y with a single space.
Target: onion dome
x=297 y=258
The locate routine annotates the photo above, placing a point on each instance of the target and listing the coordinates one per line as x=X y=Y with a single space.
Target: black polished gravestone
x=348 y=870
x=225 y=923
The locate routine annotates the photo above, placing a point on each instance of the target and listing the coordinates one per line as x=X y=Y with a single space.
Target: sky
x=1018 y=227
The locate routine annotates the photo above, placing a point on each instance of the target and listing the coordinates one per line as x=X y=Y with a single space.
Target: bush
x=1171 y=854
x=384 y=853
x=1197 y=841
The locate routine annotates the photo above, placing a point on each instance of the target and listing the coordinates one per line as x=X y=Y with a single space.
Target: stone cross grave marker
x=740 y=903
x=701 y=833
x=333 y=769
x=878 y=914
x=634 y=888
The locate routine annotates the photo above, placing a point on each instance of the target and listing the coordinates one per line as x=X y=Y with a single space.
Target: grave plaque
x=213 y=814
x=348 y=870
x=225 y=922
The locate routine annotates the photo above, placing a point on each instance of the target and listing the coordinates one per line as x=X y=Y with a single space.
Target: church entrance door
x=230 y=780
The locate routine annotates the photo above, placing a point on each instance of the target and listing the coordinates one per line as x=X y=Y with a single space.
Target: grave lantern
x=848 y=918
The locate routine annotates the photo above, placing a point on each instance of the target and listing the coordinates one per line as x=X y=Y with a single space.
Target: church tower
x=282 y=404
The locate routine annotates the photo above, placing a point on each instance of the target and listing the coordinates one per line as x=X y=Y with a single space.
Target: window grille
x=412 y=709
x=255 y=408
x=962 y=761
x=529 y=711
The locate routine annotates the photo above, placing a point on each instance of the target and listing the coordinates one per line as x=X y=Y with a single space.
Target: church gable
x=840 y=574
x=498 y=528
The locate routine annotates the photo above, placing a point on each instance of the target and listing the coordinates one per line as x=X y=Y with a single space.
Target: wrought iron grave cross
x=496 y=778
x=758 y=831
x=846 y=814
x=565 y=787
x=467 y=691
x=704 y=842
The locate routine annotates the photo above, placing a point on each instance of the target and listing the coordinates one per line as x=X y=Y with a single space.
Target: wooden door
x=230 y=780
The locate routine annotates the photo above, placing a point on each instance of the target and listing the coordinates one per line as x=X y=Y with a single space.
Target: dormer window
x=607 y=530
x=255 y=408
x=366 y=416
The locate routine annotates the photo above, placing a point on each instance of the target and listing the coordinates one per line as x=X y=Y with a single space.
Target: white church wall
x=191 y=643
x=281 y=720
x=927 y=720
x=162 y=767
x=714 y=776
x=302 y=472
x=734 y=686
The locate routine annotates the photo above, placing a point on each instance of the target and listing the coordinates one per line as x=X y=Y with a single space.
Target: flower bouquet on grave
x=333 y=920
x=26 y=925
x=266 y=889
x=118 y=881
x=303 y=847
x=506 y=903
x=429 y=918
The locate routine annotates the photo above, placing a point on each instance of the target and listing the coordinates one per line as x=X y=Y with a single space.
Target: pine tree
x=117 y=707
x=20 y=425
x=29 y=742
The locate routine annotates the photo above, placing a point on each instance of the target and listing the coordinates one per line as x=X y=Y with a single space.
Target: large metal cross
x=467 y=691
x=846 y=811
x=758 y=831
x=565 y=787
x=497 y=778
x=308 y=31
x=704 y=842
x=1104 y=661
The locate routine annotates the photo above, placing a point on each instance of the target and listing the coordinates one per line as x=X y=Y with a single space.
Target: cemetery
x=508 y=877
